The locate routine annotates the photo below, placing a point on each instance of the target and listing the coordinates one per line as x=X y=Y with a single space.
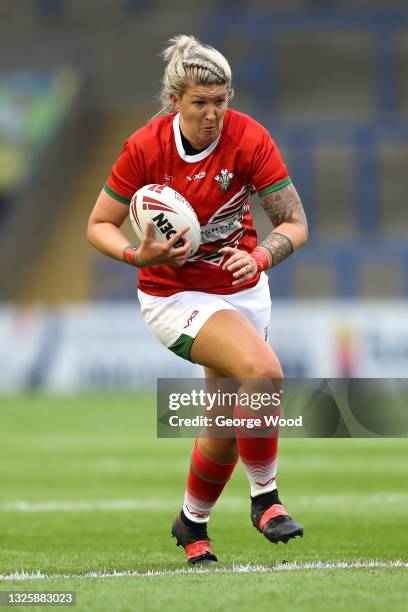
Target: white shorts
x=177 y=319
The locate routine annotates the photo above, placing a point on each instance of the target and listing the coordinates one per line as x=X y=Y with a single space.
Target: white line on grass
x=64 y=506
x=236 y=569
x=227 y=502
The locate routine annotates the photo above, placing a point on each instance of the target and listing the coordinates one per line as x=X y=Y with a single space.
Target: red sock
x=258 y=453
x=206 y=480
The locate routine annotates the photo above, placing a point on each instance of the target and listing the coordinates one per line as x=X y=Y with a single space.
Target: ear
x=175 y=100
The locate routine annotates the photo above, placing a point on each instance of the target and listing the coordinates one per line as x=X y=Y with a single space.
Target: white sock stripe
x=196 y=505
x=193 y=516
x=260 y=473
x=244 y=569
x=259 y=491
x=255 y=467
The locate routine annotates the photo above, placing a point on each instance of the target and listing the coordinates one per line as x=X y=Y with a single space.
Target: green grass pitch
x=85 y=487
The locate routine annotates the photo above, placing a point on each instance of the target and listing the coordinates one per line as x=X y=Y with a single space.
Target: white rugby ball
x=169 y=212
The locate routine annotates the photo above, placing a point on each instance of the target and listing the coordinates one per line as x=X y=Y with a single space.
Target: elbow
x=90 y=233
x=305 y=234
x=302 y=234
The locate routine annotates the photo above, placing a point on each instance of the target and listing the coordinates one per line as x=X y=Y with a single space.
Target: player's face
x=202 y=109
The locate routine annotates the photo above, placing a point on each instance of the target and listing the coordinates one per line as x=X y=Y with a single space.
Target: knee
x=263 y=369
x=223 y=450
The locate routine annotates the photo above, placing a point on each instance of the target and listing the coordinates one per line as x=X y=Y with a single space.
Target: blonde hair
x=189 y=61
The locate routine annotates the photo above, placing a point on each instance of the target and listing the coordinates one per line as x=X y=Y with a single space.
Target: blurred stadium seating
x=38 y=110
x=328 y=78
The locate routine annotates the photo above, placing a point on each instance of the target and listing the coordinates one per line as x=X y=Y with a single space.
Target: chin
x=210 y=136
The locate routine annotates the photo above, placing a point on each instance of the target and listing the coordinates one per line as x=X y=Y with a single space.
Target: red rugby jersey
x=217 y=182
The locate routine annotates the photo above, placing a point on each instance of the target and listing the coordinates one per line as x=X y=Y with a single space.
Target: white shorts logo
x=190 y=318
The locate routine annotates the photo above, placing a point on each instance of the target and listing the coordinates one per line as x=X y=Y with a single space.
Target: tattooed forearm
x=278 y=247
x=286 y=213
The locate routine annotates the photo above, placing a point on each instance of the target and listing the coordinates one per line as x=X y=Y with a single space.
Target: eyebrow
x=205 y=98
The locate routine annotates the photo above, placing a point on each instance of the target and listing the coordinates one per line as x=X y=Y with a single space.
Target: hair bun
x=179 y=45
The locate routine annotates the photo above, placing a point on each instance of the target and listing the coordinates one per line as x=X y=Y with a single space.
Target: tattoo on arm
x=278 y=246
x=282 y=206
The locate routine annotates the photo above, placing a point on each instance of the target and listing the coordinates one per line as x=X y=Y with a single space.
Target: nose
x=210 y=114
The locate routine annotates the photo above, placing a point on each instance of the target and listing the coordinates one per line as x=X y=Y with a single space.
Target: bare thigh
x=229 y=345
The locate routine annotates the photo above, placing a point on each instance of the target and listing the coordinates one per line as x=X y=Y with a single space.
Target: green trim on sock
x=206 y=477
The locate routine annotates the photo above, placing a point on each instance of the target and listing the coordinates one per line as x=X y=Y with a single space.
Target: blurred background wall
x=329 y=79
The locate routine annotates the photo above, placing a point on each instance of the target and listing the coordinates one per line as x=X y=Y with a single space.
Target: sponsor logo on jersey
x=224 y=178
x=226 y=221
x=200 y=175
x=224 y=228
x=168 y=181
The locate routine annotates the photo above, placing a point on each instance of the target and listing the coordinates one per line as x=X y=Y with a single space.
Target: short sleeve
x=127 y=174
x=269 y=170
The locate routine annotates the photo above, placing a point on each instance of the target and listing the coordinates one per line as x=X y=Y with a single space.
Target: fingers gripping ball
x=167 y=210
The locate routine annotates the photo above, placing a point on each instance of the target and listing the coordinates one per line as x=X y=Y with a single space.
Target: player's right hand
x=152 y=253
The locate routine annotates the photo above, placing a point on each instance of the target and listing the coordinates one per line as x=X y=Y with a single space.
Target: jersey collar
x=191 y=159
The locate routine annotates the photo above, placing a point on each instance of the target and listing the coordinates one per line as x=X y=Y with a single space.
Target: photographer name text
x=245 y=423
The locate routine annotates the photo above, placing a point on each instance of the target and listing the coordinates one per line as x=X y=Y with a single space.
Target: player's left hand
x=240 y=263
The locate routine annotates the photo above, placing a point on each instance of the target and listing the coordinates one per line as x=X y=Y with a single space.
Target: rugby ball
x=169 y=212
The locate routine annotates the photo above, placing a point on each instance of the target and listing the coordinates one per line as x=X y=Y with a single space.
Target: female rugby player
x=215 y=157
